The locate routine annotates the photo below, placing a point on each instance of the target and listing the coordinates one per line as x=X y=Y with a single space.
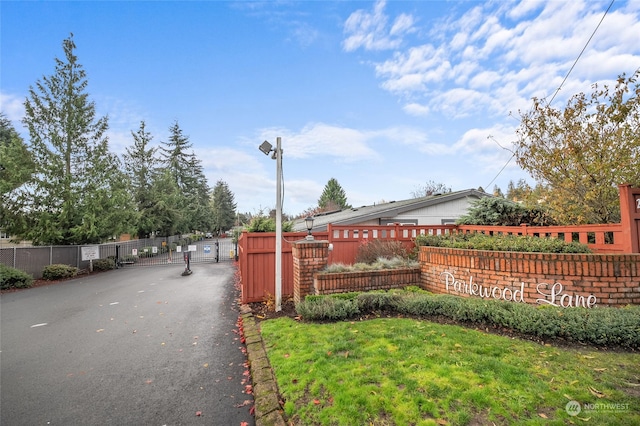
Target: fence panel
x=347 y=239
x=257 y=250
x=33 y=259
x=605 y=238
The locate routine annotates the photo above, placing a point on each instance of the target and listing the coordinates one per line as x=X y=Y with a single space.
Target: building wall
x=433 y=215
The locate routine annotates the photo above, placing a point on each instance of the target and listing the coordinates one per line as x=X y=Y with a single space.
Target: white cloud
x=416 y=109
x=12 y=106
x=496 y=56
x=319 y=139
x=370 y=30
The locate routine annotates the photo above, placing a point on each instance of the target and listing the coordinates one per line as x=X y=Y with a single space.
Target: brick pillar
x=309 y=256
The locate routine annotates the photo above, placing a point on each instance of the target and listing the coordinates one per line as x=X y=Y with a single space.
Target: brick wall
x=365 y=280
x=536 y=278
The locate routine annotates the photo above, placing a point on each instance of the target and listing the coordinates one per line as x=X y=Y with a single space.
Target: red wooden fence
x=256 y=251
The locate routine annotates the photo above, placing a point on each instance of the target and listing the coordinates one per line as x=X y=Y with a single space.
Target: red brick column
x=309 y=256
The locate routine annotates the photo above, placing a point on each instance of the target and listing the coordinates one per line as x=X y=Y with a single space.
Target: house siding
x=433 y=215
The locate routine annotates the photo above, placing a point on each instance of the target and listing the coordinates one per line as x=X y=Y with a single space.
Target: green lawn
x=411 y=372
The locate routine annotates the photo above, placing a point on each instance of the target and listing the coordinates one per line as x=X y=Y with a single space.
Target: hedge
x=14 y=278
x=600 y=326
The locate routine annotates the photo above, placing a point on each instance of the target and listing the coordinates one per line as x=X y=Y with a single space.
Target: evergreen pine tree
x=77 y=194
x=223 y=207
x=333 y=197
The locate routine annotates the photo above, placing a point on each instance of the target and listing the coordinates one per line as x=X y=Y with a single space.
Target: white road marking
x=114 y=303
x=39 y=325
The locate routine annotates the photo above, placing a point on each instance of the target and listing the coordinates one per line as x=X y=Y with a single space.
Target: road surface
x=135 y=346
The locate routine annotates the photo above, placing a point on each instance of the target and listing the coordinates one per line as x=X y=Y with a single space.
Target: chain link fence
x=33 y=259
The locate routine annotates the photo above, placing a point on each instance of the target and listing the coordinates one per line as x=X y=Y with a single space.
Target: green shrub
x=602 y=326
x=328 y=308
x=14 y=278
x=59 y=271
x=478 y=241
x=496 y=211
x=380 y=264
x=370 y=250
x=103 y=264
x=267 y=224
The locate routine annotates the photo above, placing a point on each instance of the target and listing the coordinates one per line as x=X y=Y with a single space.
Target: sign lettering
x=552 y=294
x=90 y=252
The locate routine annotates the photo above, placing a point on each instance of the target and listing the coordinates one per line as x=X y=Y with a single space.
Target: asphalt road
x=135 y=346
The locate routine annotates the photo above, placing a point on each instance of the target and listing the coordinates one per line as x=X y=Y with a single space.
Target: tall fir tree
x=77 y=194
x=223 y=208
x=16 y=167
x=185 y=168
x=333 y=197
x=141 y=166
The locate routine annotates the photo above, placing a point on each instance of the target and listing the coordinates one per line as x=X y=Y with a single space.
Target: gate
x=212 y=250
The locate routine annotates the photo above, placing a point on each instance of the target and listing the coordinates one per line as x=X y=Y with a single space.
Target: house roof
x=389 y=210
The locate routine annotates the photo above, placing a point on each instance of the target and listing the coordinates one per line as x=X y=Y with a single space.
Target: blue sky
x=382 y=96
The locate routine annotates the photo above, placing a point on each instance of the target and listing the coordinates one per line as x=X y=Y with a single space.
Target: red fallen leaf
x=198 y=413
x=329 y=353
x=252 y=410
x=286 y=355
x=316 y=401
x=248 y=389
x=246 y=373
x=244 y=424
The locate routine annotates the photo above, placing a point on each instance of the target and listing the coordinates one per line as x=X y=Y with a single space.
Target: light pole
x=266 y=148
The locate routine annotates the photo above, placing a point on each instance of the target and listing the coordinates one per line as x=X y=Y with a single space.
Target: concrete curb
x=268 y=411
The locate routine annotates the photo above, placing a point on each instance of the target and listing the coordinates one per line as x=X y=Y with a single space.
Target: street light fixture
x=266 y=148
x=309 y=223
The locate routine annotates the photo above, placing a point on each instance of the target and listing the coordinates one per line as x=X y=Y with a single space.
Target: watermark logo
x=573 y=408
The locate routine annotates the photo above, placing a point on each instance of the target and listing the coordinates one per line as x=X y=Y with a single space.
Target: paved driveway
x=135 y=346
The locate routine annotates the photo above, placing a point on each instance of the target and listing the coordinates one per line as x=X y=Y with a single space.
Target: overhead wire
x=563 y=82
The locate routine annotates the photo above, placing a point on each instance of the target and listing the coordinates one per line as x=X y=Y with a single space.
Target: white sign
x=193 y=248
x=134 y=252
x=179 y=249
x=90 y=253
x=553 y=294
x=154 y=250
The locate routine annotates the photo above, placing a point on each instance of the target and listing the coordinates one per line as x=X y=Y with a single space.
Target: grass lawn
x=394 y=371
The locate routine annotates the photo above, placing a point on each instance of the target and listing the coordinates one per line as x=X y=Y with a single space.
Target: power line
x=563 y=81
x=581 y=52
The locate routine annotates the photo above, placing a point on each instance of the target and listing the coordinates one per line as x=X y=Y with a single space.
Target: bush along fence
x=561 y=280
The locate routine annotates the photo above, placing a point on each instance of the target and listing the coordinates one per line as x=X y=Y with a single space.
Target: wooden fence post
x=630 y=217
